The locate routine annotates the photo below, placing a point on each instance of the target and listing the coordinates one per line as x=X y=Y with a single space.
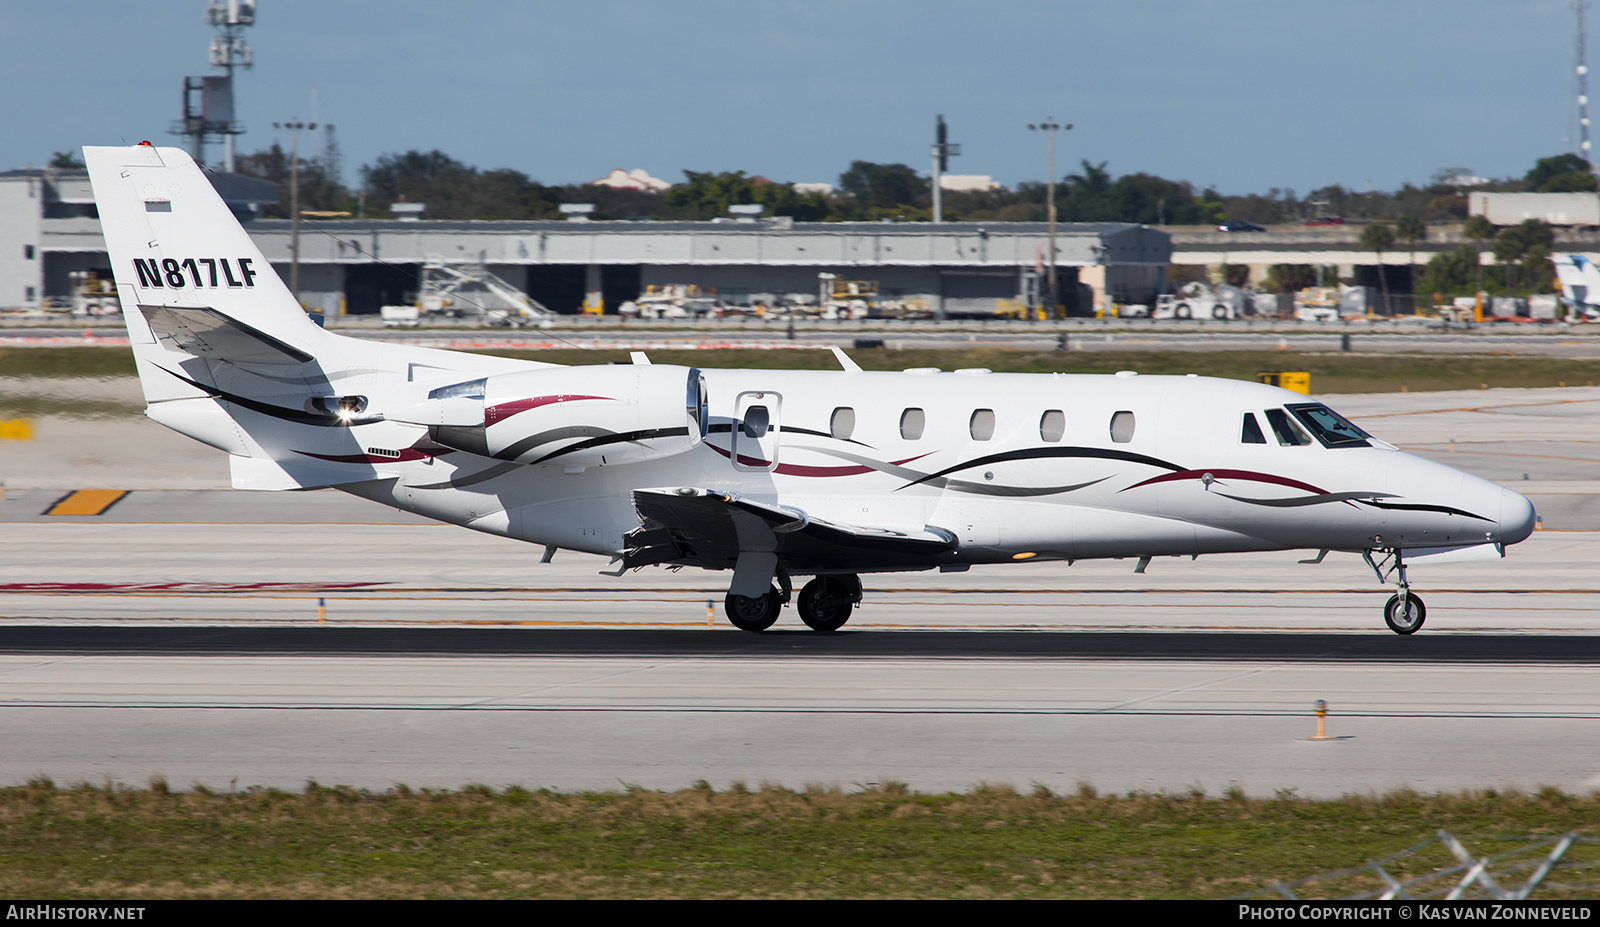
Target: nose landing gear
x=1404 y=612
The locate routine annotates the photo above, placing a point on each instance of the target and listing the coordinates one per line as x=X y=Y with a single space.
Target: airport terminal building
x=49 y=229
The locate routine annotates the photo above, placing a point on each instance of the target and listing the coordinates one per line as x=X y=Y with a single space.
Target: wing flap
x=710 y=528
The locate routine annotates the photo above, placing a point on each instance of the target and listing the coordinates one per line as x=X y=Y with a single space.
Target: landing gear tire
x=1404 y=614
x=825 y=602
x=753 y=614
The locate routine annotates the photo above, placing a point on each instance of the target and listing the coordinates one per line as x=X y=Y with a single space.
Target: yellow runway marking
x=17 y=429
x=87 y=502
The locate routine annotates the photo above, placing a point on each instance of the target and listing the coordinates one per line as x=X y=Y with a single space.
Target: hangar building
x=48 y=229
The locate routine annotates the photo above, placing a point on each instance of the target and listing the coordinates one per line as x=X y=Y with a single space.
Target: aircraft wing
x=709 y=528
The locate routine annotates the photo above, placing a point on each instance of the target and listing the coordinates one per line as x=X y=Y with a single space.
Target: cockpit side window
x=1331 y=428
x=1250 y=432
x=1285 y=430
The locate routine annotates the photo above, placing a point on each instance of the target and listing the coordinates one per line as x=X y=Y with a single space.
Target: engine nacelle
x=570 y=416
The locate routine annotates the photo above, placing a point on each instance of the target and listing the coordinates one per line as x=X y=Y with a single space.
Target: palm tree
x=1378 y=238
x=1479 y=230
x=1412 y=229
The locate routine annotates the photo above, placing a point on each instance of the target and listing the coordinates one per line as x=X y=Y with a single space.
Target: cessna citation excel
x=768 y=474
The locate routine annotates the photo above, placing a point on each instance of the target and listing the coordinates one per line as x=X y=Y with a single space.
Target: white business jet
x=770 y=474
x=1580 y=285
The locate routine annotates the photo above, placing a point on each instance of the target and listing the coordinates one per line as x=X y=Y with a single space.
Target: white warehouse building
x=49 y=229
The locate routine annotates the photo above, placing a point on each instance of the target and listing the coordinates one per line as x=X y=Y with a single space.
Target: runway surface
x=178 y=635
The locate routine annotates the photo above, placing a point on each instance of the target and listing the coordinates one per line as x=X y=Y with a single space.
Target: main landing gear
x=824 y=604
x=754 y=614
x=1404 y=612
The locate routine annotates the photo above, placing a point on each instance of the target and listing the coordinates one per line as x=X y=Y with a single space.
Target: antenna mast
x=1581 y=70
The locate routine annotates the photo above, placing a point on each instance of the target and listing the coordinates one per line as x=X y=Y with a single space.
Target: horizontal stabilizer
x=279 y=475
x=210 y=334
x=711 y=528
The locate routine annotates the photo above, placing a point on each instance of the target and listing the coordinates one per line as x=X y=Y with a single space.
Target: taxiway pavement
x=178 y=635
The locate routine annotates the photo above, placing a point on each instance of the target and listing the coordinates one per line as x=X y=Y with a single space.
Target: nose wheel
x=825 y=603
x=1404 y=613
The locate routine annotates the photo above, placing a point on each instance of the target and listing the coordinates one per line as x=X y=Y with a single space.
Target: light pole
x=943 y=151
x=294 y=200
x=1050 y=127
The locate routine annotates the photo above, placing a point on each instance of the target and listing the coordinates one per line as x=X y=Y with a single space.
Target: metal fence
x=1443 y=868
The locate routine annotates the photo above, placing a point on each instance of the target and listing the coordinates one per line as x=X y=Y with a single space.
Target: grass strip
x=14 y=406
x=1331 y=372
x=883 y=842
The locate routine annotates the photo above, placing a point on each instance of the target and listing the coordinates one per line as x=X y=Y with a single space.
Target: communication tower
x=208 y=101
x=1581 y=71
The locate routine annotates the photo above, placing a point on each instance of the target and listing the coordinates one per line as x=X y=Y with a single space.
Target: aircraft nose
x=1516 y=517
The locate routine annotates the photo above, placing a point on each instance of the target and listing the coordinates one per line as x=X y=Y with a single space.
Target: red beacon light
x=147 y=144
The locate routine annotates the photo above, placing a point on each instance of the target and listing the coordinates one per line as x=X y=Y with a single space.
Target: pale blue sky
x=1244 y=94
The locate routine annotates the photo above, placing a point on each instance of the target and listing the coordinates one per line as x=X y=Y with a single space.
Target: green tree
x=319 y=188
x=1512 y=247
x=1378 y=237
x=454 y=190
x=1453 y=272
x=65 y=160
x=875 y=190
x=707 y=195
x=1479 y=230
x=1563 y=173
x=1290 y=278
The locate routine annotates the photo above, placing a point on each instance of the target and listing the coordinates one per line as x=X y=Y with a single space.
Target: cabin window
x=982 y=424
x=1052 y=425
x=1331 y=428
x=843 y=423
x=912 y=421
x=1250 y=433
x=27 y=252
x=756 y=421
x=1285 y=430
x=1122 y=427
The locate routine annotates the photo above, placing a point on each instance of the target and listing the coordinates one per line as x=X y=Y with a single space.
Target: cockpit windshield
x=1329 y=427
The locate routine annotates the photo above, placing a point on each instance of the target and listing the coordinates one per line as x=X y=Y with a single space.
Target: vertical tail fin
x=186 y=271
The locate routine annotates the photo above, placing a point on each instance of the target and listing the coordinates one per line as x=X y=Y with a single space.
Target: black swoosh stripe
x=482 y=476
x=518 y=448
x=623 y=438
x=298 y=416
x=1048 y=452
x=1297 y=501
x=1427 y=508
x=989 y=489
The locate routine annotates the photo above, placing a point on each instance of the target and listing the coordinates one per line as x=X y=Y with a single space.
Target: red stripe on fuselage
x=505 y=410
x=1250 y=475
